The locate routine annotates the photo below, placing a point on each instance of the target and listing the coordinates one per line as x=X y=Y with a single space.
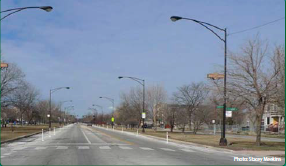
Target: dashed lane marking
x=124 y=147
x=40 y=148
x=145 y=148
x=62 y=147
x=166 y=149
x=19 y=148
x=104 y=147
x=83 y=147
x=187 y=150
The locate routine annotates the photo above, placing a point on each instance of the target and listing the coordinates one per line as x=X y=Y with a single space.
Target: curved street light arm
x=11 y=14
x=15 y=10
x=134 y=79
x=205 y=24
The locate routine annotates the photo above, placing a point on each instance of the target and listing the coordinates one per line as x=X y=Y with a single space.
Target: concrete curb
x=170 y=140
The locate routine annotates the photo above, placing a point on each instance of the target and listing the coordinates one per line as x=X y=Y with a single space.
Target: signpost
x=4 y=65
x=143 y=115
x=228 y=114
x=215 y=76
x=228 y=108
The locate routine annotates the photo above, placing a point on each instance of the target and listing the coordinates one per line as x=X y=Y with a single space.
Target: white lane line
x=19 y=148
x=6 y=154
x=124 y=147
x=83 y=147
x=40 y=148
x=2 y=157
x=187 y=150
x=62 y=147
x=166 y=149
x=145 y=148
x=104 y=147
x=86 y=137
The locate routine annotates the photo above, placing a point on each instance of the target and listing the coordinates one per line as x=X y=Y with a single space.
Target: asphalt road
x=78 y=144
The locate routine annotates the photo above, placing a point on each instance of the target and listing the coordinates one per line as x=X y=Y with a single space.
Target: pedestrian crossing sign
x=112 y=119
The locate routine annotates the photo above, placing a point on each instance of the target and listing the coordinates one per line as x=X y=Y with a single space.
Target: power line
x=257 y=26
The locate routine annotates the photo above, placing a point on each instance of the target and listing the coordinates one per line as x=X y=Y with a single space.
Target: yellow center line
x=111 y=136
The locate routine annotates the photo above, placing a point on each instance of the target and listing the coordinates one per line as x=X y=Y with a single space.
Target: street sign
x=143 y=115
x=112 y=119
x=228 y=114
x=215 y=76
x=219 y=106
x=231 y=109
x=4 y=65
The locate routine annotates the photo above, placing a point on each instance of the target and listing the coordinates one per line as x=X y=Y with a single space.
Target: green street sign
x=112 y=119
x=231 y=109
x=219 y=106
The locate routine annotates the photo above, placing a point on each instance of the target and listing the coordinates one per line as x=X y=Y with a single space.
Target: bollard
x=137 y=133
x=122 y=129
x=42 y=134
x=49 y=132
x=214 y=129
x=107 y=127
x=54 y=130
x=167 y=137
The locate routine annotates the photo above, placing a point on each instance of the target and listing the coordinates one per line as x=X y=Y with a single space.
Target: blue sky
x=87 y=44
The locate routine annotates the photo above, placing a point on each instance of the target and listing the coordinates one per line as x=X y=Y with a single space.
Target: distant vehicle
x=89 y=124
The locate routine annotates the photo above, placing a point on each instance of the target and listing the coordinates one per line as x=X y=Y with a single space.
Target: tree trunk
x=258 y=131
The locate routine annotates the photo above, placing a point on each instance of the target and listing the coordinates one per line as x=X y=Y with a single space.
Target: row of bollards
x=49 y=132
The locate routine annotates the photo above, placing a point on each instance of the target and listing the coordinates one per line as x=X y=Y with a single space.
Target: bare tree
x=191 y=96
x=155 y=96
x=252 y=79
x=24 y=98
x=11 y=79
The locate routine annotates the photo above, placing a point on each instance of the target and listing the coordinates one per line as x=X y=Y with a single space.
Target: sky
x=87 y=44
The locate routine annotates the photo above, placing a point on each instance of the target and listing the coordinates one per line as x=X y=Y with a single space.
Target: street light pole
x=61 y=106
x=142 y=82
x=101 y=112
x=45 y=8
x=51 y=91
x=223 y=141
x=112 y=101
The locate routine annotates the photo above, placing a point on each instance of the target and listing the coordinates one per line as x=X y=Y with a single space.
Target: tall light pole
x=101 y=111
x=45 y=8
x=52 y=91
x=112 y=101
x=223 y=141
x=141 y=82
x=62 y=102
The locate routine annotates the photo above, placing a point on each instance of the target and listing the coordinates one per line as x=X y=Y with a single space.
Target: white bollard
x=214 y=129
x=54 y=130
x=167 y=137
x=49 y=132
x=137 y=133
x=122 y=129
x=42 y=134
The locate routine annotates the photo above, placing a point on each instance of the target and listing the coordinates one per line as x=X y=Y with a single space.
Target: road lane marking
x=40 y=148
x=83 y=147
x=104 y=147
x=145 y=148
x=86 y=137
x=187 y=150
x=124 y=147
x=6 y=154
x=19 y=148
x=122 y=140
x=166 y=149
x=62 y=147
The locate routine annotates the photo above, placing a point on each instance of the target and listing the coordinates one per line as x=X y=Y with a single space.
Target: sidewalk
x=263 y=153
